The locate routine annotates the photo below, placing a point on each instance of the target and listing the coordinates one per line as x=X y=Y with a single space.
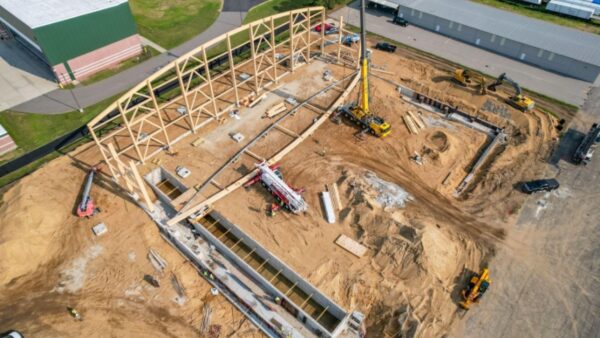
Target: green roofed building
x=76 y=38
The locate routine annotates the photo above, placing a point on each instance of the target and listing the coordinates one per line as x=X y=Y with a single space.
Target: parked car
x=386 y=47
x=350 y=39
x=11 y=334
x=400 y=21
x=539 y=185
x=328 y=26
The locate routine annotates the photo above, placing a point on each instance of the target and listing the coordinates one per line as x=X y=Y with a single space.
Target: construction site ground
x=422 y=241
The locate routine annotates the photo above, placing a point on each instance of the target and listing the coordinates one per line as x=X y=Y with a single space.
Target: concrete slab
x=557 y=86
x=22 y=76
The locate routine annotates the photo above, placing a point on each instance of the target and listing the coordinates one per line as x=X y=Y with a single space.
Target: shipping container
x=570 y=9
x=584 y=3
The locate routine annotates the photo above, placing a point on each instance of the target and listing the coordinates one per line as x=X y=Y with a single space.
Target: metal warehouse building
x=556 y=48
x=75 y=38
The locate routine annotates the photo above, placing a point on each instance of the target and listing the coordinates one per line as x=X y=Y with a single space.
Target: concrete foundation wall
x=525 y=53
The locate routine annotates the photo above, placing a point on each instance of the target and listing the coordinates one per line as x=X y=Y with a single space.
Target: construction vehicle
x=464 y=77
x=271 y=178
x=519 y=100
x=359 y=112
x=585 y=150
x=478 y=285
x=86 y=207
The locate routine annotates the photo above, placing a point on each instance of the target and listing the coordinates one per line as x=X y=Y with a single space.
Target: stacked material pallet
x=414 y=123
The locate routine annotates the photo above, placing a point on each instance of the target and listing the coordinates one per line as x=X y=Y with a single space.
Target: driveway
x=22 y=76
x=560 y=87
x=61 y=101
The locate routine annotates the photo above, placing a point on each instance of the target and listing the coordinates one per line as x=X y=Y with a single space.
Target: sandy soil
x=407 y=284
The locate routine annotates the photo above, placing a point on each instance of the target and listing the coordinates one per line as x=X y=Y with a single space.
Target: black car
x=400 y=21
x=539 y=185
x=387 y=47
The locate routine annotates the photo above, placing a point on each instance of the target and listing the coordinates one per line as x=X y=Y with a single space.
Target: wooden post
x=232 y=68
x=133 y=138
x=209 y=79
x=184 y=93
x=110 y=167
x=323 y=18
x=274 y=50
x=141 y=186
x=292 y=51
x=253 y=53
x=120 y=167
x=308 y=36
x=339 y=50
x=162 y=123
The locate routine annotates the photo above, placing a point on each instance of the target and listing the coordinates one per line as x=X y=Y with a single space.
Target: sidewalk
x=557 y=86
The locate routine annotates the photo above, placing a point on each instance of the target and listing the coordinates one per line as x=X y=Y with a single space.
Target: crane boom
x=364 y=63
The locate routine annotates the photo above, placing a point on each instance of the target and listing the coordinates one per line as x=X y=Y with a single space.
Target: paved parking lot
x=563 y=88
x=22 y=76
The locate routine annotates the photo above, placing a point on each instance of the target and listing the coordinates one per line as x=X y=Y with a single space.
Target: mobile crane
x=271 y=178
x=359 y=112
x=519 y=100
x=86 y=207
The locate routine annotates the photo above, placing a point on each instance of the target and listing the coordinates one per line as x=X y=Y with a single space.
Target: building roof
x=557 y=39
x=38 y=13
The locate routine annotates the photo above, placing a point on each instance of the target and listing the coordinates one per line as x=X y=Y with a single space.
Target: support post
x=133 y=138
x=308 y=36
x=274 y=50
x=292 y=44
x=323 y=18
x=339 y=49
x=184 y=93
x=232 y=69
x=110 y=167
x=209 y=79
x=120 y=167
x=141 y=186
x=253 y=54
x=162 y=123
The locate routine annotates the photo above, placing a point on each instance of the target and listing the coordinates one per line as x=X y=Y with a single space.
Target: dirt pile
x=408 y=285
x=50 y=260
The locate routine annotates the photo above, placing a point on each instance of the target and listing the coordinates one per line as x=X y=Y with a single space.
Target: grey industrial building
x=552 y=47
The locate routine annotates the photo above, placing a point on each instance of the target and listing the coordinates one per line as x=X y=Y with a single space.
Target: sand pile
x=36 y=217
x=407 y=284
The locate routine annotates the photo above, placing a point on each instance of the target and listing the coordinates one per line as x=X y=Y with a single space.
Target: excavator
x=359 y=112
x=478 y=285
x=464 y=78
x=519 y=100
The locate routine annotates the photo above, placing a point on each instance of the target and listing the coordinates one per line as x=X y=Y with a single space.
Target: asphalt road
x=563 y=88
x=546 y=275
x=60 y=101
x=22 y=77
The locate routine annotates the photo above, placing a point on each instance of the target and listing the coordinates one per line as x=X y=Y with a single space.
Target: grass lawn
x=539 y=13
x=277 y=6
x=149 y=53
x=30 y=131
x=169 y=23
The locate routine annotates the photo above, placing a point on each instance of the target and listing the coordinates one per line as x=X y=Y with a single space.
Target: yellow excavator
x=359 y=111
x=520 y=101
x=478 y=285
x=465 y=77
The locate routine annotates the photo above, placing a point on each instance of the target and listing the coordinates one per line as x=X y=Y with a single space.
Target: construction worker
x=277 y=300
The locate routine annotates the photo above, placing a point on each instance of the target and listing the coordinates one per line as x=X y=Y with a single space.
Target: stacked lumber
x=275 y=110
x=414 y=123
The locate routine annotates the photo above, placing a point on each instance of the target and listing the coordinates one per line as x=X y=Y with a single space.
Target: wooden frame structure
x=202 y=85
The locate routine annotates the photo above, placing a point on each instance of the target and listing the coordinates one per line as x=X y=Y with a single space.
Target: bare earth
x=422 y=241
